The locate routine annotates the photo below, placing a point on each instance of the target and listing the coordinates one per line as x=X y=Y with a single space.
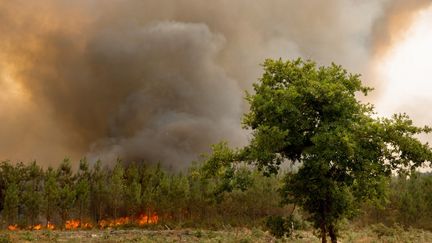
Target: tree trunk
x=323 y=233
x=332 y=233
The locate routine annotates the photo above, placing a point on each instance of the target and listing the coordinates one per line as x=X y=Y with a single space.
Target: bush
x=278 y=226
x=5 y=238
x=381 y=230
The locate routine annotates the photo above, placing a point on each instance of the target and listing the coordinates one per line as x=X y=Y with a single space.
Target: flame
x=37 y=227
x=50 y=226
x=115 y=222
x=140 y=220
x=72 y=224
x=86 y=226
x=144 y=219
x=13 y=227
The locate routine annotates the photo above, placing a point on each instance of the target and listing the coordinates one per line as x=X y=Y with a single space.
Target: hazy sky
x=162 y=80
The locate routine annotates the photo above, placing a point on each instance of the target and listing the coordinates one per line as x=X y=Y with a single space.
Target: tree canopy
x=312 y=116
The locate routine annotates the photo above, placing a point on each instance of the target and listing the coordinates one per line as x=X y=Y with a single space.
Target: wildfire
x=75 y=224
x=50 y=226
x=86 y=226
x=72 y=224
x=13 y=227
x=144 y=219
x=37 y=227
x=140 y=220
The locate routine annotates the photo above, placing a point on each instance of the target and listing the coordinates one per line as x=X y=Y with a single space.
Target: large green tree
x=310 y=115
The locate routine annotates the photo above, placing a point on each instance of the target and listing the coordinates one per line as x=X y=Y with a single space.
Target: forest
x=140 y=195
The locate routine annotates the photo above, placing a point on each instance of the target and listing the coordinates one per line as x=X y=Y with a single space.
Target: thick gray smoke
x=177 y=99
x=155 y=80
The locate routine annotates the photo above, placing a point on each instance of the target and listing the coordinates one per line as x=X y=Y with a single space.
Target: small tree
x=311 y=116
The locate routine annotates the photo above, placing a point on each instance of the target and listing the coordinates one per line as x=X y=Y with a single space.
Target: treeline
x=31 y=195
x=203 y=196
x=408 y=203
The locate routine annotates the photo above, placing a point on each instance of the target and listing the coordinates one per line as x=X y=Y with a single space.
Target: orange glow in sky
x=407 y=71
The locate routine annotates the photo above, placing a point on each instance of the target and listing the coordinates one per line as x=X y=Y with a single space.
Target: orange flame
x=75 y=224
x=50 y=226
x=13 y=227
x=142 y=219
x=37 y=227
x=72 y=224
x=86 y=226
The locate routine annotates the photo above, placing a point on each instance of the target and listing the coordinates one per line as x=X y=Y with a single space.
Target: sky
x=159 y=81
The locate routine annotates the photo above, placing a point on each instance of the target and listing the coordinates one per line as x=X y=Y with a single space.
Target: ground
x=240 y=235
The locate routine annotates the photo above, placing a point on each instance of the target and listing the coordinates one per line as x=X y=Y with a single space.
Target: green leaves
x=311 y=115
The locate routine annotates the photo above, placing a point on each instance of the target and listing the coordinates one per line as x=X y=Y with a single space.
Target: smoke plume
x=392 y=25
x=153 y=81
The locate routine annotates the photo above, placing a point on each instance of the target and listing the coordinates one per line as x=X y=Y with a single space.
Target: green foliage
x=32 y=192
x=116 y=187
x=83 y=189
x=312 y=116
x=133 y=190
x=51 y=194
x=95 y=192
x=409 y=203
x=99 y=191
x=11 y=203
x=277 y=226
x=226 y=175
x=284 y=226
x=66 y=190
x=5 y=238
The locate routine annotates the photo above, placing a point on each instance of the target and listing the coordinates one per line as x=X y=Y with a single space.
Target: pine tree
x=32 y=192
x=133 y=190
x=99 y=191
x=116 y=187
x=51 y=194
x=11 y=203
x=67 y=193
x=83 y=189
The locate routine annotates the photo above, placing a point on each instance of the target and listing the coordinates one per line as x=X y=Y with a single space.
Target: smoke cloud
x=392 y=25
x=156 y=81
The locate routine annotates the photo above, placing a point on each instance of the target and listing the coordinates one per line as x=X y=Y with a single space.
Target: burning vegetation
x=74 y=224
x=130 y=195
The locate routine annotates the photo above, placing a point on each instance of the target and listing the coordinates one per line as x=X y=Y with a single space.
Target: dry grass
x=377 y=233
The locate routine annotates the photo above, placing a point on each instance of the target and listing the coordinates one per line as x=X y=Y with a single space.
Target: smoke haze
x=151 y=80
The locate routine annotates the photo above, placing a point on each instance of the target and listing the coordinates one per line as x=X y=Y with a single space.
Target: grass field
x=377 y=233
